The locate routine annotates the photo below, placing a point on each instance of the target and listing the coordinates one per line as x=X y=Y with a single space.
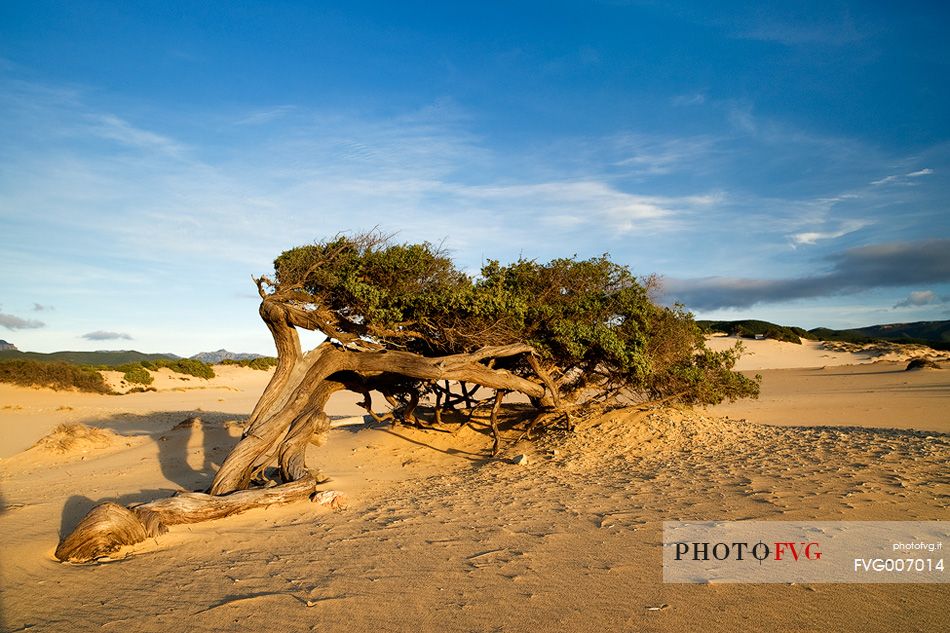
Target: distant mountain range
x=5 y=346
x=113 y=358
x=213 y=358
x=936 y=334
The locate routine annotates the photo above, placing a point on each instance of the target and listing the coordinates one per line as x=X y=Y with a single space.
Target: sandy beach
x=436 y=536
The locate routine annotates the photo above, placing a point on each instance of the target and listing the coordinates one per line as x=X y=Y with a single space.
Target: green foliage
x=591 y=321
x=262 y=363
x=383 y=287
x=707 y=378
x=186 y=366
x=136 y=374
x=55 y=375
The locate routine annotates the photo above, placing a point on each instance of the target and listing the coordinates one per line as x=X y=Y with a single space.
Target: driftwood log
x=109 y=526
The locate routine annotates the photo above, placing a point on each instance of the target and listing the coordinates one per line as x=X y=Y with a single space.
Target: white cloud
x=589 y=202
x=811 y=237
x=919 y=298
x=885 y=180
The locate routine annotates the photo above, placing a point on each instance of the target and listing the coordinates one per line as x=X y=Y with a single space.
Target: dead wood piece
x=110 y=526
x=496 y=441
x=104 y=530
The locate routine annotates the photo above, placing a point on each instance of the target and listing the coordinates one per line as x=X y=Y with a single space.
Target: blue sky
x=785 y=161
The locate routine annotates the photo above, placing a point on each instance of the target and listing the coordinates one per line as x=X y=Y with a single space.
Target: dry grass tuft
x=71 y=438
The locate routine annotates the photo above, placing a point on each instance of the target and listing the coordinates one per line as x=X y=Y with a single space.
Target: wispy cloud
x=824 y=27
x=902 y=178
x=877 y=266
x=260 y=117
x=646 y=155
x=589 y=202
x=39 y=307
x=104 y=335
x=13 y=322
x=112 y=127
x=694 y=99
x=802 y=34
x=169 y=212
x=583 y=57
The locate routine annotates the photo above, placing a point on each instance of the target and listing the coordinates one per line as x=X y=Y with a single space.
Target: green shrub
x=182 y=366
x=55 y=375
x=263 y=363
x=138 y=375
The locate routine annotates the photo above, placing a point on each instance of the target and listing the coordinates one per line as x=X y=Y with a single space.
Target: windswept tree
x=576 y=337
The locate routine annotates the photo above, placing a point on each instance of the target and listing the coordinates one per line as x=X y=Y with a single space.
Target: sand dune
x=438 y=537
x=770 y=354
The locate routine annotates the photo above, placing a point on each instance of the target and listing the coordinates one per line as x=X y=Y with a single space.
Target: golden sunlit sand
x=435 y=536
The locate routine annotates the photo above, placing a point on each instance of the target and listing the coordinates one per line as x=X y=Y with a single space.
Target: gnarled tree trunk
x=290 y=412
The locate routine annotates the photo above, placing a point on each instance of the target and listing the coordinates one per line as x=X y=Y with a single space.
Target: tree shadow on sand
x=191 y=444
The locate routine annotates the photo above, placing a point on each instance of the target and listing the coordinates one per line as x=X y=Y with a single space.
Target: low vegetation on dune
x=187 y=366
x=135 y=374
x=67 y=438
x=65 y=376
x=262 y=363
x=54 y=375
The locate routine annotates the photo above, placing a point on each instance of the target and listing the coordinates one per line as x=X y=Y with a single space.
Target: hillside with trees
x=935 y=334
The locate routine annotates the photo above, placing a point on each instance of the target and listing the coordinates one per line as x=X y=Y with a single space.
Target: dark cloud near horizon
x=12 y=322
x=864 y=268
x=102 y=335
